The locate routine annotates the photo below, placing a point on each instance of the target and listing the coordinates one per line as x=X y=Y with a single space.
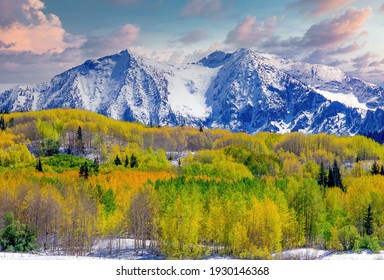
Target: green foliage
x=261 y=165
x=63 y=162
x=368 y=221
x=108 y=199
x=117 y=160
x=134 y=163
x=16 y=237
x=322 y=179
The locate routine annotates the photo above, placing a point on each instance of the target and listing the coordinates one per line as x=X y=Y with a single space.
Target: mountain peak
x=241 y=91
x=215 y=59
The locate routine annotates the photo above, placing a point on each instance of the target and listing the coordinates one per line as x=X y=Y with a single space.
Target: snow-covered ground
x=123 y=249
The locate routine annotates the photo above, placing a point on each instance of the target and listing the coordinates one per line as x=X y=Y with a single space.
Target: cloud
x=320 y=7
x=196 y=8
x=33 y=30
x=348 y=49
x=363 y=61
x=382 y=9
x=332 y=32
x=250 y=32
x=329 y=34
x=194 y=36
x=28 y=67
x=122 y=38
x=203 y=52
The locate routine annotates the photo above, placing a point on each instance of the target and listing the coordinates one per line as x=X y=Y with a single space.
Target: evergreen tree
x=201 y=129
x=126 y=162
x=117 y=160
x=84 y=171
x=79 y=141
x=39 y=166
x=322 y=176
x=375 y=168
x=368 y=221
x=134 y=162
x=2 y=123
x=331 y=179
x=382 y=170
x=337 y=176
x=79 y=134
x=96 y=164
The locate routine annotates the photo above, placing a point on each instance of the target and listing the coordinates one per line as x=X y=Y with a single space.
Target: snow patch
x=348 y=99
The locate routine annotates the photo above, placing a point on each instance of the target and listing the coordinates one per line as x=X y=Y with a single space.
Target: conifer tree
x=117 y=160
x=331 y=179
x=368 y=221
x=134 y=162
x=96 y=164
x=382 y=170
x=79 y=141
x=337 y=176
x=2 y=123
x=322 y=176
x=375 y=168
x=126 y=162
x=84 y=171
x=39 y=166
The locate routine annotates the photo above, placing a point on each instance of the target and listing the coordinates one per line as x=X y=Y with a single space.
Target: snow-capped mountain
x=241 y=91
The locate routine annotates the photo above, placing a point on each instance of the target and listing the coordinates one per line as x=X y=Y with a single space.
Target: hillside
x=72 y=178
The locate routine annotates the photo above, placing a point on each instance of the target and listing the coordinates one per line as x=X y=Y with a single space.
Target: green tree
x=134 y=162
x=322 y=177
x=126 y=161
x=368 y=221
x=16 y=236
x=2 y=123
x=375 y=168
x=117 y=160
x=84 y=171
x=39 y=166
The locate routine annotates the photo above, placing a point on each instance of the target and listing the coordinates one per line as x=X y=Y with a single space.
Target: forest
x=70 y=177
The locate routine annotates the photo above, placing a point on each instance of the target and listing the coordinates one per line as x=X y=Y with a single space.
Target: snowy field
x=123 y=249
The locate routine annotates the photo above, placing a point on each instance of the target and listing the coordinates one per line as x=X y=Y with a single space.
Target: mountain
x=241 y=91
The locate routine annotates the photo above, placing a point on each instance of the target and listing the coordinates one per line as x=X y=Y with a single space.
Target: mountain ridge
x=240 y=91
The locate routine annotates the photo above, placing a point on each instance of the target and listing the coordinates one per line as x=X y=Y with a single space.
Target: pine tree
x=337 y=176
x=96 y=164
x=126 y=162
x=382 y=170
x=368 y=221
x=79 y=141
x=84 y=171
x=322 y=176
x=2 y=123
x=117 y=160
x=375 y=168
x=331 y=179
x=39 y=166
x=134 y=162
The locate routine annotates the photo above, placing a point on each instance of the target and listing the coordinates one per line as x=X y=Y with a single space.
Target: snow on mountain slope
x=241 y=91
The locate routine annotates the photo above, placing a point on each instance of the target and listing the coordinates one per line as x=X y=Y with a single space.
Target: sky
x=42 y=38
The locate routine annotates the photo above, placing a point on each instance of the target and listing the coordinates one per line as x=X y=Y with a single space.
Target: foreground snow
x=127 y=252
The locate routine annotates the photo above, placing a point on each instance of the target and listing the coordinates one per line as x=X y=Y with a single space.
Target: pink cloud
x=193 y=36
x=35 y=31
x=334 y=31
x=318 y=8
x=120 y=39
x=250 y=32
x=382 y=9
x=201 y=8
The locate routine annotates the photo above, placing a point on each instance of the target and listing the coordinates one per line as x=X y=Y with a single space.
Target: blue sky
x=41 y=38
